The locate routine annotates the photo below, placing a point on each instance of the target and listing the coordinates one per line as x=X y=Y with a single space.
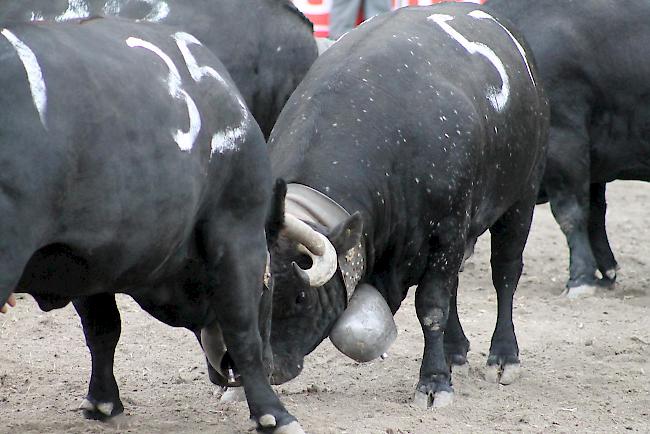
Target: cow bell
x=366 y=329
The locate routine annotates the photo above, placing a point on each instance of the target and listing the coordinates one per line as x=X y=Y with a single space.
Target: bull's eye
x=301 y=297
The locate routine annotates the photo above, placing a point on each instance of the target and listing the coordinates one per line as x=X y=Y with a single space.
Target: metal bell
x=366 y=329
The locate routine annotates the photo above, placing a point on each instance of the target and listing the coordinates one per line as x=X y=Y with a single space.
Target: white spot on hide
x=185 y=140
x=226 y=140
x=36 y=16
x=34 y=73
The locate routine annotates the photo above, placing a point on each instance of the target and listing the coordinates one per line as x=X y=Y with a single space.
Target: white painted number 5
x=497 y=97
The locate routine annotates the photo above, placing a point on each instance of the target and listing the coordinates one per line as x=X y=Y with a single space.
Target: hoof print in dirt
x=580 y=291
x=502 y=374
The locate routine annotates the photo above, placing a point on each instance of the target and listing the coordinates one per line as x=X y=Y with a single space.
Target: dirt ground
x=586 y=362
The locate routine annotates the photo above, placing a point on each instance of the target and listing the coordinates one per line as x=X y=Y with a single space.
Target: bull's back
x=120 y=145
x=441 y=97
x=266 y=45
x=594 y=78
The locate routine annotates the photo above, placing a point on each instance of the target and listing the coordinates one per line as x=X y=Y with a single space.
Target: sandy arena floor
x=586 y=362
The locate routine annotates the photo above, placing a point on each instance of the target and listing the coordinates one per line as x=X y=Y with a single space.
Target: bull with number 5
x=131 y=164
x=408 y=139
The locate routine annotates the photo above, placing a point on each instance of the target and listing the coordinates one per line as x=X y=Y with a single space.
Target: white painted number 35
x=185 y=139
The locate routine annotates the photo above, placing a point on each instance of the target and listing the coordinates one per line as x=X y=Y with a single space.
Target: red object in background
x=318 y=11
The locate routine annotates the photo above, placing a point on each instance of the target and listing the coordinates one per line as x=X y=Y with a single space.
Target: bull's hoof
x=233 y=394
x=102 y=411
x=284 y=424
x=425 y=400
x=504 y=374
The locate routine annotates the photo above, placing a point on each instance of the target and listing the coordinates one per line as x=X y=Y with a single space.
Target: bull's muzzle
x=366 y=329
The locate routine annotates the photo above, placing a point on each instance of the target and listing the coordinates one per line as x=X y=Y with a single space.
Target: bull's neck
x=314 y=207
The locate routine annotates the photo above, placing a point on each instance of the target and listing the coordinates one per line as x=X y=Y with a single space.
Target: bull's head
x=310 y=298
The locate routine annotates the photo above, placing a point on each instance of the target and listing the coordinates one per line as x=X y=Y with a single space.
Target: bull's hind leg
x=598 y=235
x=236 y=263
x=508 y=237
x=432 y=307
x=567 y=183
x=102 y=326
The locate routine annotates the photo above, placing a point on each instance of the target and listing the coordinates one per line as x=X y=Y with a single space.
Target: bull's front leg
x=102 y=326
x=432 y=299
x=237 y=276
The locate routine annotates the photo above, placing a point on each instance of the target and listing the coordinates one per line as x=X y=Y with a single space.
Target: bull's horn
x=366 y=329
x=213 y=346
x=317 y=246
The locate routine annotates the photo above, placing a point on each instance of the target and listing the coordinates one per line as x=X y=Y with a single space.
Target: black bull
x=266 y=45
x=130 y=164
x=428 y=127
x=597 y=84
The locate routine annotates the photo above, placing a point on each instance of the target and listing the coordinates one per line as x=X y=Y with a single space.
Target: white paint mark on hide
x=197 y=72
x=183 y=40
x=36 y=16
x=185 y=140
x=226 y=140
x=112 y=7
x=484 y=15
x=34 y=73
x=498 y=98
x=159 y=11
x=76 y=9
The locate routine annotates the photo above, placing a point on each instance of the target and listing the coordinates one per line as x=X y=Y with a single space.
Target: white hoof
x=292 y=428
x=510 y=374
x=86 y=405
x=442 y=399
x=580 y=291
x=105 y=408
x=492 y=373
x=611 y=274
x=267 y=421
x=233 y=394
x=422 y=400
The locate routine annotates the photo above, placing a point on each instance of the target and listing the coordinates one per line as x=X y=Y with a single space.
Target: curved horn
x=317 y=246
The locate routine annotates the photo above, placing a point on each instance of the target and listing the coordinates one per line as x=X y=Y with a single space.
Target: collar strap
x=312 y=206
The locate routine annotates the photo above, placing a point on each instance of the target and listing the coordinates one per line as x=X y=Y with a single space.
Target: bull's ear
x=347 y=234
